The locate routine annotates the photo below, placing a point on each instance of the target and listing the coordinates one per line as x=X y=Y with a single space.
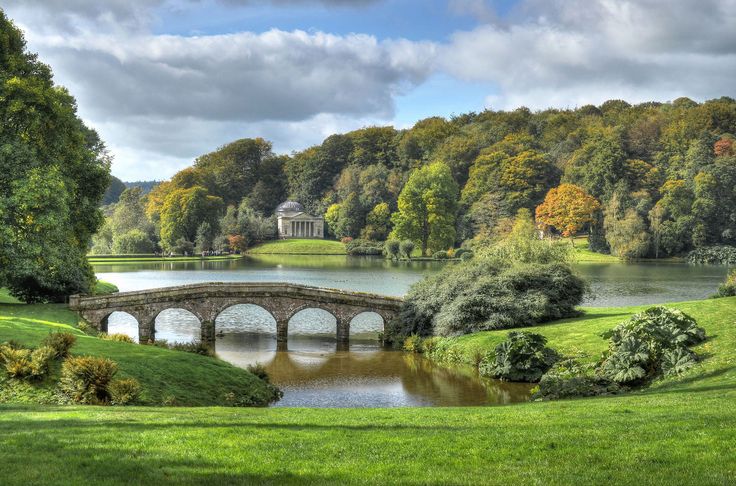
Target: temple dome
x=290 y=207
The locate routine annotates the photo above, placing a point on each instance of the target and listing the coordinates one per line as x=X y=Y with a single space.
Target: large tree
x=428 y=208
x=183 y=211
x=53 y=174
x=567 y=208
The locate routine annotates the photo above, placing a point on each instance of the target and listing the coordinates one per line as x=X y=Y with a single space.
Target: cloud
x=567 y=53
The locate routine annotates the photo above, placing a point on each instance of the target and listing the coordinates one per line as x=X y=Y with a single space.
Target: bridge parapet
x=208 y=300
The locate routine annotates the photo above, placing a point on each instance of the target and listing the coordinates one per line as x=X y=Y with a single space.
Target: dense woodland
x=662 y=177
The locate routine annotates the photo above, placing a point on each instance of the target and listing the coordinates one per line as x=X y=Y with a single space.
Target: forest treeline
x=663 y=176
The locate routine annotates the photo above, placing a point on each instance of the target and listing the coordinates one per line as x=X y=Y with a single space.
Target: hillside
x=166 y=376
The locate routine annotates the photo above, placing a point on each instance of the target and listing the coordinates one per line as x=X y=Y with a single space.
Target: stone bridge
x=207 y=300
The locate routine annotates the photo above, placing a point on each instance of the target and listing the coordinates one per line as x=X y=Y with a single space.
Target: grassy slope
x=191 y=379
x=680 y=431
x=300 y=247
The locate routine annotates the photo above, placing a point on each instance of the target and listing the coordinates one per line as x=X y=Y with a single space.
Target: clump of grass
x=23 y=363
x=126 y=391
x=86 y=379
x=122 y=338
x=60 y=343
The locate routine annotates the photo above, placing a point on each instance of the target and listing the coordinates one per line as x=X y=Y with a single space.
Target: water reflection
x=316 y=372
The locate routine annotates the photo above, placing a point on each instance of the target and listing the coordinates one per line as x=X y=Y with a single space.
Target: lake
x=313 y=371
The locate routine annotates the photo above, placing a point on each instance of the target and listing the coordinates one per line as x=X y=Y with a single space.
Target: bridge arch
x=328 y=320
x=177 y=321
x=367 y=321
x=232 y=315
x=121 y=322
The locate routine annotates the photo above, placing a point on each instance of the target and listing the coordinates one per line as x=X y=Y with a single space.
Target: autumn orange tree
x=567 y=208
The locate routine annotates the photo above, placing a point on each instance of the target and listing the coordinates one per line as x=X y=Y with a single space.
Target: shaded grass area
x=166 y=376
x=300 y=247
x=583 y=253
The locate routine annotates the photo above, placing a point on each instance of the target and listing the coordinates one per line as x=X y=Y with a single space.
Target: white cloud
x=568 y=53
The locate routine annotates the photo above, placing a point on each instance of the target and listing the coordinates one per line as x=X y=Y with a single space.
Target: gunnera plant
x=523 y=356
x=650 y=344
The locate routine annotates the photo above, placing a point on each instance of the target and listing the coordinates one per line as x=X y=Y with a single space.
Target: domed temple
x=295 y=222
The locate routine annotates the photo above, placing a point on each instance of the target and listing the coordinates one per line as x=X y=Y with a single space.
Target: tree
x=182 y=213
x=205 y=237
x=428 y=208
x=132 y=242
x=113 y=192
x=53 y=174
x=626 y=231
x=567 y=208
x=378 y=223
x=129 y=222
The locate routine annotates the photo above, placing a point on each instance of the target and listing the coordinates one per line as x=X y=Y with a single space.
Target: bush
x=440 y=255
x=125 y=391
x=364 y=247
x=123 y=338
x=466 y=256
x=406 y=248
x=650 y=344
x=345 y=240
x=85 y=379
x=569 y=379
x=60 y=342
x=460 y=252
x=88 y=329
x=195 y=348
x=392 y=249
x=523 y=356
x=728 y=288
x=260 y=371
x=26 y=363
x=413 y=344
x=713 y=255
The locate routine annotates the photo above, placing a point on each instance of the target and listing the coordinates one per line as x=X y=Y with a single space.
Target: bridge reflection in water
x=314 y=369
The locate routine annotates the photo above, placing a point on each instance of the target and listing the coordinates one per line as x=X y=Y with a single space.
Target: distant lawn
x=299 y=247
x=122 y=259
x=173 y=376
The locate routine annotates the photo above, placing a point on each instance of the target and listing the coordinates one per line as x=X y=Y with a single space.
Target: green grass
x=680 y=431
x=139 y=259
x=189 y=378
x=299 y=247
x=105 y=288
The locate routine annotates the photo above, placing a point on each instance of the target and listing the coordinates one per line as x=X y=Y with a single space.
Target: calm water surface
x=314 y=372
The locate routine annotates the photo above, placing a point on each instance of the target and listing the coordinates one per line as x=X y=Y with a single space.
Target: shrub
x=569 y=379
x=460 y=252
x=728 y=288
x=23 y=363
x=60 y=342
x=364 y=247
x=345 y=240
x=17 y=362
x=406 y=248
x=260 y=371
x=85 y=379
x=195 y=348
x=88 y=329
x=392 y=249
x=440 y=255
x=413 y=344
x=650 y=344
x=466 y=256
x=125 y=391
x=523 y=356
x=123 y=338
x=713 y=255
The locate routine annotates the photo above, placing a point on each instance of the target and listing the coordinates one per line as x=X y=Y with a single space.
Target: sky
x=164 y=81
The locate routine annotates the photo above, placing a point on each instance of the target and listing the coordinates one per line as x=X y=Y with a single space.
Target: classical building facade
x=294 y=222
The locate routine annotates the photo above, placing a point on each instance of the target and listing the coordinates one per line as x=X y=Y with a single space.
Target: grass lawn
x=681 y=431
x=183 y=378
x=299 y=247
x=143 y=259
